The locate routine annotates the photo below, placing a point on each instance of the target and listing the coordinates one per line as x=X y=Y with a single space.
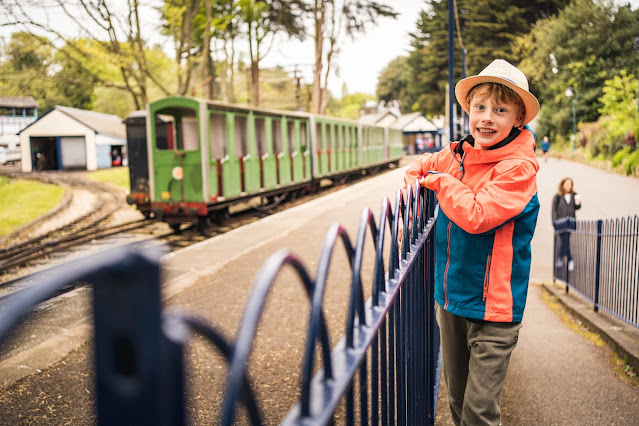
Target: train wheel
x=203 y=224
x=147 y=215
x=218 y=217
x=175 y=227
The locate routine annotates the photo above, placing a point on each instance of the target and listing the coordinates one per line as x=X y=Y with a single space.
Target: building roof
x=376 y=117
x=107 y=124
x=415 y=122
x=18 y=102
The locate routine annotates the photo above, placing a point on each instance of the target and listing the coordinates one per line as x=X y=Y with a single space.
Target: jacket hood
x=521 y=147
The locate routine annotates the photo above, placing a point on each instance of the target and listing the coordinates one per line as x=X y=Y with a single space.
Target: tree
x=264 y=19
x=586 y=44
x=329 y=19
x=26 y=59
x=393 y=83
x=488 y=31
x=118 y=34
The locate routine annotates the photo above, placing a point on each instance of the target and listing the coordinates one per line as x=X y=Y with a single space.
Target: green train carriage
x=210 y=155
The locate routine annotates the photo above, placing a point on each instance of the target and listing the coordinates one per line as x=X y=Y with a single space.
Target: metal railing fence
x=605 y=263
x=386 y=367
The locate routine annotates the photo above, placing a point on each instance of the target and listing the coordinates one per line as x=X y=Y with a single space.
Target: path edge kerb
x=622 y=337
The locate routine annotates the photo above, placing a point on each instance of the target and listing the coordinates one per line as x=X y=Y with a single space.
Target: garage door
x=73 y=150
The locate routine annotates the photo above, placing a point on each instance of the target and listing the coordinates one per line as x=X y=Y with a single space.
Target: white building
x=69 y=138
x=16 y=113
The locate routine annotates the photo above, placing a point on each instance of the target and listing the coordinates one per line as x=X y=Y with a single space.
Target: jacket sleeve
x=504 y=196
x=577 y=206
x=419 y=167
x=555 y=200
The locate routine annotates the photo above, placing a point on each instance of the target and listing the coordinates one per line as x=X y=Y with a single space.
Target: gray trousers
x=476 y=357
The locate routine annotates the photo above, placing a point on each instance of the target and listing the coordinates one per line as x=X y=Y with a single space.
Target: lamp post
x=570 y=94
x=636 y=47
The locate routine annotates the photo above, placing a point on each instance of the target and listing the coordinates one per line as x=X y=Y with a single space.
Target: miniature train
x=194 y=158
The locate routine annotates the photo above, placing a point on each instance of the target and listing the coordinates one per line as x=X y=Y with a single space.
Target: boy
x=487 y=192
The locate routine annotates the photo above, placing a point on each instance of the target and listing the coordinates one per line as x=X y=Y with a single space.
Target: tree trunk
x=209 y=66
x=319 y=14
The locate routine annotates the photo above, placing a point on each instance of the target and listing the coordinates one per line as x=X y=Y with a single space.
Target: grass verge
x=118 y=176
x=23 y=201
x=619 y=365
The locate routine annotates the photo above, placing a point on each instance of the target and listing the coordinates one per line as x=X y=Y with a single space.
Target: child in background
x=487 y=192
x=545 y=147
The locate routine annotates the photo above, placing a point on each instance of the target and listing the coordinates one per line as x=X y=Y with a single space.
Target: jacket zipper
x=447 y=264
x=487 y=276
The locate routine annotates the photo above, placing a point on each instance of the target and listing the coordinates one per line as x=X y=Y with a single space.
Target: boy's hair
x=498 y=92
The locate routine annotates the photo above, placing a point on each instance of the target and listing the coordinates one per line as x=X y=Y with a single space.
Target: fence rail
x=605 y=263
x=385 y=368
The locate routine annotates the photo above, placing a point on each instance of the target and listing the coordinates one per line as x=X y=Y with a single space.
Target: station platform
x=555 y=377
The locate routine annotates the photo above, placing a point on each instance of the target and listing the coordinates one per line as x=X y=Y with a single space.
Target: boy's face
x=491 y=121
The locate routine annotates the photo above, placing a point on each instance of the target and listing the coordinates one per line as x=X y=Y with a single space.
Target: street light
x=569 y=94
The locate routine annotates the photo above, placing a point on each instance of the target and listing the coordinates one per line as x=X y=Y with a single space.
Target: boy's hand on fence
x=427 y=180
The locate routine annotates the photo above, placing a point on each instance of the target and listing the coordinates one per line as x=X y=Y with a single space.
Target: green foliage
x=394 y=82
x=591 y=42
x=620 y=156
x=349 y=106
x=90 y=80
x=631 y=165
x=619 y=105
x=488 y=28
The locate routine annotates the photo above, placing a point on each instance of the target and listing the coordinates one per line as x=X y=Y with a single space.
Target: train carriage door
x=264 y=134
x=235 y=148
x=218 y=139
x=306 y=146
x=283 y=149
x=251 y=159
x=176 y=153
x=297 y=159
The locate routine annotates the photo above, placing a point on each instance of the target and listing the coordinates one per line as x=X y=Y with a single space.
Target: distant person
x=486 y=185
x=565 y=204
x=41 y=162
x=545 y=147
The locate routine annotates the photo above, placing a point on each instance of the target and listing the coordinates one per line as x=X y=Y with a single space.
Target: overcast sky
x=362 y=59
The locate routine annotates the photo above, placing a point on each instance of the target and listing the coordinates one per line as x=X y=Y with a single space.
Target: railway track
x=23 y=254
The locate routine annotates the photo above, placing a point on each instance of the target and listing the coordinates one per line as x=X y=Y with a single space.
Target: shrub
x=620 y=156
x=632 y=163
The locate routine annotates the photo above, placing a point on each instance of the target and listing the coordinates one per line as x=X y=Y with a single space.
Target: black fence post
x=139 y=372
x=598 y=264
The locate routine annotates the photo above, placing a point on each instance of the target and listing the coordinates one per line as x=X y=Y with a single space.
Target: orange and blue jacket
x=488 y=209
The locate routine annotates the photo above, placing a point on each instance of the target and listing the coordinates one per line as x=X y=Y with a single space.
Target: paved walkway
x=557 y=376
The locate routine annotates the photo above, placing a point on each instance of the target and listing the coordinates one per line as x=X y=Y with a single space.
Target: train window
x=292 y=141
x=164 y=134
x=276 y=127
x=189 y=140
x=240 y=136
x=318 y=137
x=260 y=135
x=179 y=130
x=347 y=138
x=217 y=126
x=303 y=136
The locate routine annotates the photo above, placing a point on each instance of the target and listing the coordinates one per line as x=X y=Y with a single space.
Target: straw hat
x=500 y=71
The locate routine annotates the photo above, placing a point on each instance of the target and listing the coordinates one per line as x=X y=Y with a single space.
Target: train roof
x=266 y=111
